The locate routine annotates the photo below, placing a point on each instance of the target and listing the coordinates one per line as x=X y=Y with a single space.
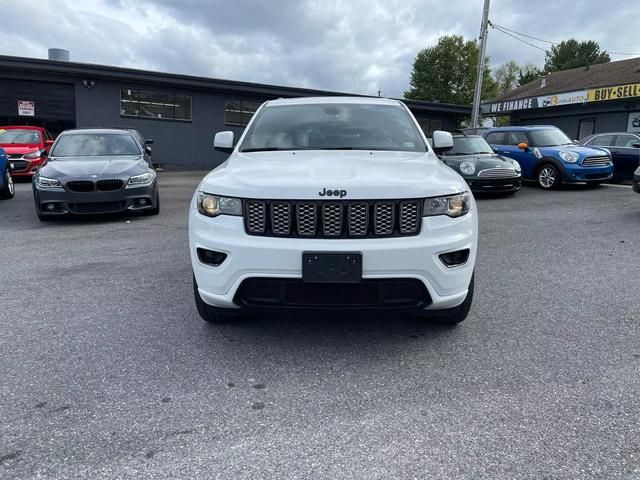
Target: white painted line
x=614 y=185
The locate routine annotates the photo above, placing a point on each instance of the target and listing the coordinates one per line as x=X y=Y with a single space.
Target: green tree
x=529 y=73
x=506 y=77
x=446 y=72
x=573 y=54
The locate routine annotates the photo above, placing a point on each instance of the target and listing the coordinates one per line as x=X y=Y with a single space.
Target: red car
x=26 y=148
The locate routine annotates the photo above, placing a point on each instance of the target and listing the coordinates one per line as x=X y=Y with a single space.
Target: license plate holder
x=322 y=267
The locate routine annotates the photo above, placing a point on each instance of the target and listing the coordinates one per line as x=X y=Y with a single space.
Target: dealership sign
x=26 y=108
x=600 y=94
x=614 y=93
x=633 y=123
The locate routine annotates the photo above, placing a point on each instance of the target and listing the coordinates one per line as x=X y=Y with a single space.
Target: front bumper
x=577 y=173
x=494 y=185
x=25 y=168
x=64 y=202
x=415 y=257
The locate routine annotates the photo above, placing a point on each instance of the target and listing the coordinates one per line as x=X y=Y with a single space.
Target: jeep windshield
x=468 y=146
x=333 y=126
x=552 y=137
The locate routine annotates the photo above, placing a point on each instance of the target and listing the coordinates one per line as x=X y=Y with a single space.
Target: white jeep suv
x=333 y=203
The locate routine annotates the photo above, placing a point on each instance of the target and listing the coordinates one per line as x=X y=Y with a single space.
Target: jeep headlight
x=214 y=205
x=44 y=182
x=141 y=180
x=467 y=168
x=569 y=157
x=451 y=205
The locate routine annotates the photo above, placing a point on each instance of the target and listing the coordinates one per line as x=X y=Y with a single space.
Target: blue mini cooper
x=7 y=189
x=547 y=155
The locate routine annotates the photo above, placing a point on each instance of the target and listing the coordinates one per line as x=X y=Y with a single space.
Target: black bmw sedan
x=90 y=171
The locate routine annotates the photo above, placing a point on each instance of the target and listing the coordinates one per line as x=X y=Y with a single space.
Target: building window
x=430 y=125
x=239 y=112
x=148 y=104
x=586 y=127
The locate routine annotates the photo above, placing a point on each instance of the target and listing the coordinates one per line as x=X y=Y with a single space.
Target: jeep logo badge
x=332 y=193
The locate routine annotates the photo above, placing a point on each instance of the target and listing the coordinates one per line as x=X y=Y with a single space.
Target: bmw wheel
x=9 y=189
x=548 y=177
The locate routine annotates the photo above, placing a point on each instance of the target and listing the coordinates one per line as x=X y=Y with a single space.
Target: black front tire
x=9 y=189
x=548 y=177
x=213 y=314
x=155 y=210
x=453 y=316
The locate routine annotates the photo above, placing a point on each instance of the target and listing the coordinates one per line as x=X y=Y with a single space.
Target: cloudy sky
x=356 y=46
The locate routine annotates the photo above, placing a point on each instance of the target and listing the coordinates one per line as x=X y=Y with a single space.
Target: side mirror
x=147 y=149
x=636 y=145
x=523 y=146
x=148 y=141
x=442 y=141
x=48 y=143
x=223 y=142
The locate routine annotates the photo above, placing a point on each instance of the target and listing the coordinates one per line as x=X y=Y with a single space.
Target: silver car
x=92 y=171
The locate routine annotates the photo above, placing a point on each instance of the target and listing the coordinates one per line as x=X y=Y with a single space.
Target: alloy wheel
x=547 y=177
x=12 y=187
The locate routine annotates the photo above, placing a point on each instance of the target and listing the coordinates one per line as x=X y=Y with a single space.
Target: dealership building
x=180 y=113
x=581 y=101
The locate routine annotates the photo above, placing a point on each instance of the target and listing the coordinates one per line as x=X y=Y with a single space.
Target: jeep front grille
x=333 y=219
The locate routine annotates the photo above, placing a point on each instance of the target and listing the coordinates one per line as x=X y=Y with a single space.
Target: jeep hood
x=303 y=174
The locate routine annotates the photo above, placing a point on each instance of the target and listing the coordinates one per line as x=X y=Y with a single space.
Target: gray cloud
x=356 y=46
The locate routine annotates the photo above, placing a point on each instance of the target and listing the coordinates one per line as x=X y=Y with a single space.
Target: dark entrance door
x=54 y=104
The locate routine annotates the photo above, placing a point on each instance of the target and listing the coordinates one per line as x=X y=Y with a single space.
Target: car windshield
x=468 y=146
x=20 y=137
x=333 y=126
x=549 y=138
x=95 y=144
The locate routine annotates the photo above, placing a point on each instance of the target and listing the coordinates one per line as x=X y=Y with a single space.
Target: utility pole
x=483 y=47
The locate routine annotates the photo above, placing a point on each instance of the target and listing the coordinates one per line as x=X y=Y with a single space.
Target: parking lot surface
x=106 y=370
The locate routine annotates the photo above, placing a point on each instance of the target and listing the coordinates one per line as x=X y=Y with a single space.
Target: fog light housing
x=211 y=257
x=455 y=259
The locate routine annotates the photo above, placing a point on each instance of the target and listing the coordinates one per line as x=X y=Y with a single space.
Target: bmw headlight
x=451 y=205
x=44 y=182
x=569 y=157
x=214 y=205
x=467 y=168
x=141 y=180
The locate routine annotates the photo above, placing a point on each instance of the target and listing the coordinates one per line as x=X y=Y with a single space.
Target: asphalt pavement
x=107 y=372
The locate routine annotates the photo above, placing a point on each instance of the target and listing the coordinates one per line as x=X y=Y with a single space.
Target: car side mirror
x=442 y=141
x=147 y=149
x=148 y=141
x=48 y=143
x=636 y=145
x=223 y=142
x=523 y=146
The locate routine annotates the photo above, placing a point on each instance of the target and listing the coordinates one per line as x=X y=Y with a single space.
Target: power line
x=522 y=34
x=518 y=38
x=506 y=31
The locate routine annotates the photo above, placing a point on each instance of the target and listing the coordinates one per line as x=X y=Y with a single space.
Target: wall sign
x=557 y=99
x=26 y=108
x=629 y=90
x=633 y=123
